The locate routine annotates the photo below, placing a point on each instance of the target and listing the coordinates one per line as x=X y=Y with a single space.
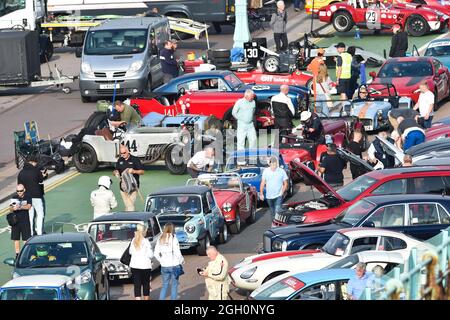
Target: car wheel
x=252 y=217
x=229 y=122
x=417 y=26
x=85 y=99
x=219 y=54
x=273 y=275
x=97 y=120
x=236 y=226
x=342 y=21
x=203 y=245
x=271 y=64
x=171 y=160
x=223 y=234
x=85 y=159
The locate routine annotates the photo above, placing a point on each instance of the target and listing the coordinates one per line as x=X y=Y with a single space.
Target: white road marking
x=6 y=229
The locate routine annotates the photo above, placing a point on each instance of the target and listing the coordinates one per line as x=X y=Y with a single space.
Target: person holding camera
x=216 y=275
x=18 y=218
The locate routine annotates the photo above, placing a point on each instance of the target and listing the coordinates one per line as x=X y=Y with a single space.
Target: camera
x=199 y=270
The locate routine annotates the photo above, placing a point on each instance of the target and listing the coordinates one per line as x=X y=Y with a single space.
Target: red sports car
x=297 y=78
x=236 y=200
x=442 y=6
x=437 y=131
x=408 y=72
x=417 y=20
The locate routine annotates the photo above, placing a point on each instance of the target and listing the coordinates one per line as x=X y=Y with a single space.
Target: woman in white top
x=323 y=87
x=141 y=262
x=167 y=251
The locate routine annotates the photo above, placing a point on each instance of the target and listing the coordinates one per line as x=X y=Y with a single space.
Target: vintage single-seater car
x=419 y=215
x=255 y=270
x=39 y=287
x=250 y=165
x=72 y=254
x=417 y=20
x=407 y=73
x=194 y=212
x=113 y=232
x=236 y=200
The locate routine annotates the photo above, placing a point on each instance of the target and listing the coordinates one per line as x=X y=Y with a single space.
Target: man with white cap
x=103 y=199
x=313 y=128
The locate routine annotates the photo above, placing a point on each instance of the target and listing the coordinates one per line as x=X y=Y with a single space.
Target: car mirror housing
x=78 y=52
x=99 y=257
x=10 y=262
x=368 y=224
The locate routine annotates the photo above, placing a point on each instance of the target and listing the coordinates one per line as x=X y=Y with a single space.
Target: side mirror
x=78 y=52
x=441 y=71
x=368 y=224
x=10 y=262
x=372 y=74
x=99 y=257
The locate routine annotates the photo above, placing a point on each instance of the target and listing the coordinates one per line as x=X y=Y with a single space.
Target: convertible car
x=296 y=78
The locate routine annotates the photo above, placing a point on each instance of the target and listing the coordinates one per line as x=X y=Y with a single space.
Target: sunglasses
x=364 y=92
x=20 y=190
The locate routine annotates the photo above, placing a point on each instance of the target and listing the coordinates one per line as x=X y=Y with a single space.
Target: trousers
x=275 y=205
x=168 y=278
x=281 y=41
x=37 y=214
x=141 y=281
x=413 y=138
x=246 y=131
x=129 y=200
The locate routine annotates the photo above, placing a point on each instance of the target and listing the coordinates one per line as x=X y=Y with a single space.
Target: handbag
x=178 y=271
x=126 y=256
x=12 y=218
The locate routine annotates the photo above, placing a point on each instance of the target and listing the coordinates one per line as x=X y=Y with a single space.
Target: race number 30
x=251 y=53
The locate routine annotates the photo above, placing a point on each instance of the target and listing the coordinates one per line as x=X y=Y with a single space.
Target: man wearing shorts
x=20 y=204
x=343 y=71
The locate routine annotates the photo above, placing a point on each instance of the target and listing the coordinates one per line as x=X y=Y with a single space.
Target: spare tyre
x=97 y=120
x=220 y=60
x=223 y=66
x=219 y=53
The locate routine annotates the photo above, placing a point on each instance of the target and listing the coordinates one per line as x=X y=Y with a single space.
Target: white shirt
x=169 y=254
x=142 y=258
x=425 y=99
x=200 y=161
x=103 y=200
x=282 y=98
x=323 y=87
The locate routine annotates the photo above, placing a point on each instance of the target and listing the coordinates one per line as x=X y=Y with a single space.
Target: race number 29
x=371 y=16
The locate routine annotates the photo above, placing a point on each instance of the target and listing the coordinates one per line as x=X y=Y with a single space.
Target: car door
x=98 y=272
x=153 y=61
x=440 y=79
x=208 y=215
x=363 y=244
x=424 y=220
x=389 y=217
x=320 y=291
x=153 y=234
x=215 y=212
x=397 y=186
x=426 y=185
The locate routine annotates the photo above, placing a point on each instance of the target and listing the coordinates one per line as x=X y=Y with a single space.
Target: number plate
x=109 y=86
x=123 y=277
x=368 y=128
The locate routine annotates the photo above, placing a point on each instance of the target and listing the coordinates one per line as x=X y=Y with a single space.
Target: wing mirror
x=99 y=257
x=441 y=71
x=369 y=224
x=10 y=262
x=78 y=52
x=372 y=74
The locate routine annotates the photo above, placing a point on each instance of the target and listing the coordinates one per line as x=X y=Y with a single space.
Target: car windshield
x=350 y=191
x=29 y=294
x=54 y=254
x=121 y=41
x=122 y=231
x=233 y=81
x=236 y=163
x=345 y=263
x=8 y=6
x=400 y=69
x=280 y=290
x=229 y=182
x=437 y=50
x=336 y=245
x=353 y=214
x=175 y=204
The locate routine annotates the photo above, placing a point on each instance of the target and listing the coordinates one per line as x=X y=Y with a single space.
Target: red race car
x=437 y=131
x=442 y=6
x=236 y=200
x=408 y=72
x=296 y=78
x=417 y=20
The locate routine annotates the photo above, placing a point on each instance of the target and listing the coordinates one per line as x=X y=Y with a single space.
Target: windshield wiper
x=45 y=266
x=109 y=239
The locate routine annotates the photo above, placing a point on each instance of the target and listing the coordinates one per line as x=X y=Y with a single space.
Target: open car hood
x=391 y=149
x=314 y=180
x=354 y=159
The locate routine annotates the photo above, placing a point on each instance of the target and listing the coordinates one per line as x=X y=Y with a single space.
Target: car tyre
x=271 y=64
x=235 y=228
x=221 y=60
x=98 y=120
x=342 y=21
x=203 y=245
x=252 y=217
x=417 y=26
x=85 y=159
x=219 y=54
x=174 y=168
x=223 y=234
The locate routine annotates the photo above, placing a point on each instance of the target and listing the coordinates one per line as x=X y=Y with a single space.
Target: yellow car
x=317 y=5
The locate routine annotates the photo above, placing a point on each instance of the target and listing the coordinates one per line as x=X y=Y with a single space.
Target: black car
x=420 y=216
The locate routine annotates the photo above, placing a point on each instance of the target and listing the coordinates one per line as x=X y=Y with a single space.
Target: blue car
x=417 y=215
x=223 y=80
x=325 y=284
x=250 y=165
x=439 y=49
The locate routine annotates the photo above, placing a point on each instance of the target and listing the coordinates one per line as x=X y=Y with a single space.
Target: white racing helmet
x=305 y=115
x=104 y=181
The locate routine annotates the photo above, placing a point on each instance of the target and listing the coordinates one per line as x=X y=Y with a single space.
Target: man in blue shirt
x=168 y=63
x=275 y=180
x=360 y=282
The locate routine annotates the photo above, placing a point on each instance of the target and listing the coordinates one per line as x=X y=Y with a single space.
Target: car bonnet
x=391 y=149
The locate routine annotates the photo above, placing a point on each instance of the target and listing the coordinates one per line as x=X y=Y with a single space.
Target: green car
x=73 y=254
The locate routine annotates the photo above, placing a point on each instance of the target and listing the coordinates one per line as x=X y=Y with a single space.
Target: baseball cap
x=340 y=45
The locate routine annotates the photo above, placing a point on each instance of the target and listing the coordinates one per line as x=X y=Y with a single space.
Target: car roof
x=379 y=174
x=183 y=190
x=128 y=23
x=321 y=275
x=125 y=216
x=59 y=237
x=204 y=74
x=255 y=152
x=408 y=59
x=393 y=256
x=362 y=231
x=406 y=198
x=41 y=280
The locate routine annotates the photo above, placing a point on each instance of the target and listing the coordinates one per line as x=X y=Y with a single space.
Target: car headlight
x=297 y=218
x=227 y=207
x=276 y=246
x=380 y=114
x=247 y=274
x=111 y=267
x=190 y=228
x=284 y=246
x=135 y=66
x=83 y=278
x=86 y=68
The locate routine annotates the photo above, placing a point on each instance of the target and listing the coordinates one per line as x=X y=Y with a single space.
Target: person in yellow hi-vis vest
x=216 y=275
x=343 y=71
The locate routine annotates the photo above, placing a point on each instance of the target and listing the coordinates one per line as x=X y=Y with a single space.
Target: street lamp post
x=241 y=30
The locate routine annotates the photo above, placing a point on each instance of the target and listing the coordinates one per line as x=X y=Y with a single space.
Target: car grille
x=367 y=123
x=267 y=244
x=281 y=218
x=119 y=74
x=108 y=81
x=100 y=74
x=115 y=74
x=110 y=91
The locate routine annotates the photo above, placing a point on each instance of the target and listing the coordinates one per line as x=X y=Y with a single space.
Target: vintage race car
x=250 y=165
x=113 y=232
x=227 y=81
x=438 y=5
x=194 y=212
x=255 y=75
x=238 y=202
x=407 y=73
x=437 y=131
x=255 y=270
x=416 y=19
x=440 y=50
